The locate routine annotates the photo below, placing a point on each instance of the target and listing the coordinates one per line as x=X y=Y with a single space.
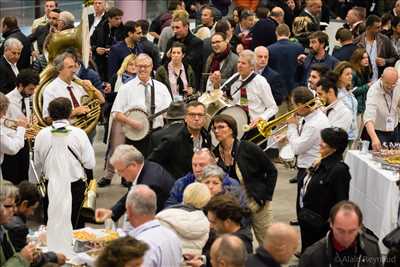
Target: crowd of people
x=200 y=188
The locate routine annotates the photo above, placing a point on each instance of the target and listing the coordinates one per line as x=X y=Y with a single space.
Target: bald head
x=262 y=56
x=389 y=78
x=281 y=241
x=228 y=250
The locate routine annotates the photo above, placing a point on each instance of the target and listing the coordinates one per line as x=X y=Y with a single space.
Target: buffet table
x=375 y=191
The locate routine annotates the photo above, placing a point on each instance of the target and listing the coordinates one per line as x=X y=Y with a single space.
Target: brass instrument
x=30 y=132
x=77 y=37
x=89 y=203
x=266 y=128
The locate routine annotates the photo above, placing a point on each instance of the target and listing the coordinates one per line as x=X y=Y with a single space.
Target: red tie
x=75 y=102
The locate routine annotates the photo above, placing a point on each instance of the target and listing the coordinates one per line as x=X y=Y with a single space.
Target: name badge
x=390 y=123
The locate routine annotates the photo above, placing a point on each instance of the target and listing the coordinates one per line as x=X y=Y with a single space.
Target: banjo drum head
x=136 y=134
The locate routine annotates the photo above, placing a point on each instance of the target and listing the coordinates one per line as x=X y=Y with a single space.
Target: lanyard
x=389 y=107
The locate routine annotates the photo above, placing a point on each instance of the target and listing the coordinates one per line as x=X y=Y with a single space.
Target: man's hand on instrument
x=22 y=122
x=188 y=91
x=102 y=214
x=87 y=85
x=81 y=110
x=215 y=78
x=376 y=144
x=253 y=124
x=135 y=124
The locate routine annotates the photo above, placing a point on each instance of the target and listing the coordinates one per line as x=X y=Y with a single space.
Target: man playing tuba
x=64 y=86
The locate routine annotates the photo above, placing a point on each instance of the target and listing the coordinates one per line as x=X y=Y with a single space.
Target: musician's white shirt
x=305 y=141
x=14 y=109
x=54 y=159
x=10 y=144
x=261 y=102
x=131 y=95
x=340 y=116
x=58 y=88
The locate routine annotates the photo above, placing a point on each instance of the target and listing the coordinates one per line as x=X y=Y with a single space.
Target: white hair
x=250 y=56
x=127 y=154
x=142 y=200
x=13 y=42
x=68 y=18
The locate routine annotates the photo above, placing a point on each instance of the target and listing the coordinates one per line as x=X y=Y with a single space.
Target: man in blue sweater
x=200 y=159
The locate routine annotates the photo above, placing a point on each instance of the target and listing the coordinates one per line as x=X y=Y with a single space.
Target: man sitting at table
x=346 y=244
x=28 y=201
x=381 y=114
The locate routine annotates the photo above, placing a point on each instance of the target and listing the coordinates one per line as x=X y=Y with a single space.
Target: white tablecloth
x=375 y=191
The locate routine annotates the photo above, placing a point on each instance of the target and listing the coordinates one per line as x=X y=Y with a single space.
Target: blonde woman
x=188 y=220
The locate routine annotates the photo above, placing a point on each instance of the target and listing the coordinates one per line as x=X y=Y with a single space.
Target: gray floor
x=283 y=202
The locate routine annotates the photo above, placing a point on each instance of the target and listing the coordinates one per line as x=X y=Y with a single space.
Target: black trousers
x=78 y=195
x=301 y=174
x=384 y=137
x=309 y=235
x=15 y=168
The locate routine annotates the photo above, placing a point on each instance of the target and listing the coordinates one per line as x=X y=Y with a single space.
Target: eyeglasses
x=196 y=114
x=143 y=66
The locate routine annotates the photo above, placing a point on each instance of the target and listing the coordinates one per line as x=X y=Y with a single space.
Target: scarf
x=218 y=58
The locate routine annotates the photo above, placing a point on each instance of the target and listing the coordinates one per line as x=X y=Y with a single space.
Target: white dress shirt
x=10 y=144
x=132 y=95
x=351 y=103
x=165 y=246
x=261 y=102
x=52 y=156
x=379 y=103
x=14 y=109
x=58 y=88
x=13 y=67
x=340 y=116
x=96 y=22
x=305 y=142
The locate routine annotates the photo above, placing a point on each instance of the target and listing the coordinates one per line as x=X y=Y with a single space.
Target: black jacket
x=276 y=83
x=259 y=173
x=245 y=234
x=105 y=37
x=323 y=254
x=25 y=59
x=175 y=152
x=328 y=185
x=7 y=77
x=261 y=258
x=263 y=33
x=344 y=52
x=193 y=55
x=152 y=50
x=155 y=177
x=168 y=131
x=40 y=35
x=91 y=19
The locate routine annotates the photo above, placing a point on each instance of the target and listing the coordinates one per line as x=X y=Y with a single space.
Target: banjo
x=145 y=119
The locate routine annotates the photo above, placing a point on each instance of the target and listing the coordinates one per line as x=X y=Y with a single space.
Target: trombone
x=266 y=128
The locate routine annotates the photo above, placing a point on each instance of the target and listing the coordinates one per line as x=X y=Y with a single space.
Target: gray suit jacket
x=228 y=68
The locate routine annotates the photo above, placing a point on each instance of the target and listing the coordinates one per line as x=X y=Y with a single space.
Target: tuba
x=78 y=38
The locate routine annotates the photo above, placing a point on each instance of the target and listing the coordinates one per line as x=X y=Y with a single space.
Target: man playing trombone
x=303 y=135
x=15 y=168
